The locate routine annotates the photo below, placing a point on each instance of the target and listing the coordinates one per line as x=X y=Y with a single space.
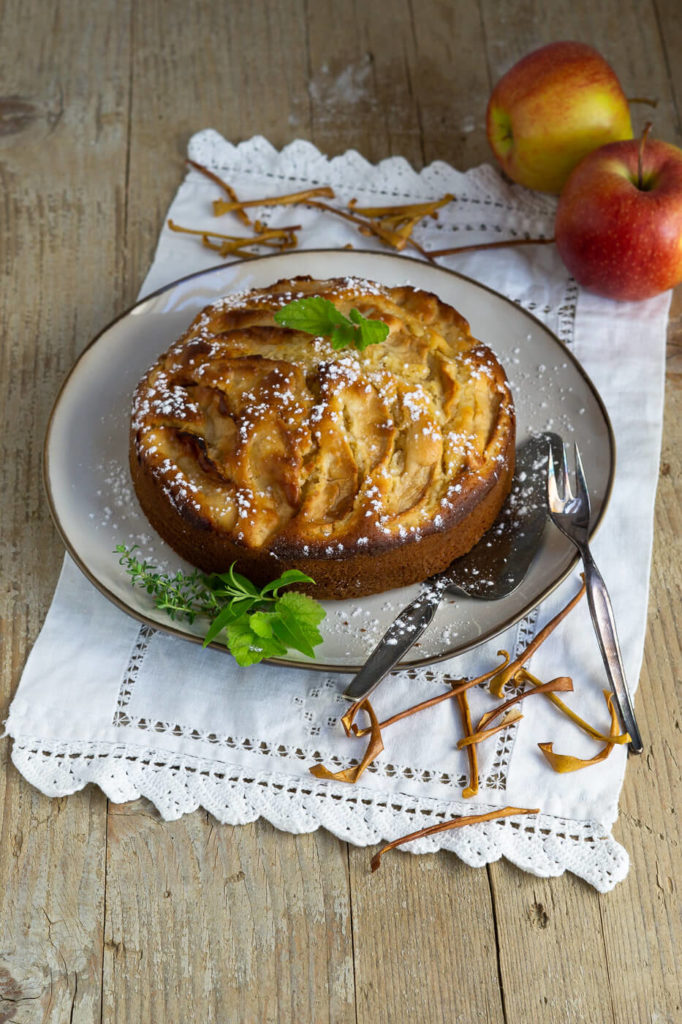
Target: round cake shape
x=368 y=470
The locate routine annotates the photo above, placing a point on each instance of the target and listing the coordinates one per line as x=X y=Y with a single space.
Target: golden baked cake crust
x=367 y=470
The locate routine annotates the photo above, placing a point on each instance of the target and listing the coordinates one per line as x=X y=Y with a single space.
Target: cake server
x=491 y=570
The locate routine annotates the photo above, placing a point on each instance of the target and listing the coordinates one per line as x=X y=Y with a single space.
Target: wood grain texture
x=420 y=951
x=209 y=916
x=107 y=913
x=63 y=131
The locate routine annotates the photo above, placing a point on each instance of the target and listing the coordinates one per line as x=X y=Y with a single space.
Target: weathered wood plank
x=362 y=88
x=240 y=68
x=395 y=79
x=553 y=966
x=669 y=18
x=348 y=77
x=63 y=124
x=235 y=923
x=51 y=905
x=424 y=937
x=451 y=81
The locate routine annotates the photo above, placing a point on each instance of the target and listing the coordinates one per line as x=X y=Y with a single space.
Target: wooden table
x=107 y=912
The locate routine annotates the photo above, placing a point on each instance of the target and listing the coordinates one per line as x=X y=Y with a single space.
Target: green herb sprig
x=320 y=317
x=258 y=623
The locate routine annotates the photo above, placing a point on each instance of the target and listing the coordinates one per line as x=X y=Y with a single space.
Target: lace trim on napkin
x=301 y=163
x=545 y=845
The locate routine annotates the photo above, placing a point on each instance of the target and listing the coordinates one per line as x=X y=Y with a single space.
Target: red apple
x=619 y=219
x=551 y=109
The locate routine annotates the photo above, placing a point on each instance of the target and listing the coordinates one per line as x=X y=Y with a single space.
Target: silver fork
x=572 y=516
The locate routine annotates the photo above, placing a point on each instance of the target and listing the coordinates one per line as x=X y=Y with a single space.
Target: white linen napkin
x=105 y=699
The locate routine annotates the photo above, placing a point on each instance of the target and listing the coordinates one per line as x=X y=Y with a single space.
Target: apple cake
x=368 y=470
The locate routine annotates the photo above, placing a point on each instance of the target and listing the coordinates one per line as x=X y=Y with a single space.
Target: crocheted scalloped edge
x=394 y=175
x=542 y=844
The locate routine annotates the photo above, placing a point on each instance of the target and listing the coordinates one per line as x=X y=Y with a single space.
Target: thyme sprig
x=257 y=622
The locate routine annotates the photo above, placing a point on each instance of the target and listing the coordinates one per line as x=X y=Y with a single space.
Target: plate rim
x=284 y=662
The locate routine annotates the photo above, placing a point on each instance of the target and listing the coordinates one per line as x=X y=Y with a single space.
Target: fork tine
x=568 y=493
x=552 y=493
x=582 y=492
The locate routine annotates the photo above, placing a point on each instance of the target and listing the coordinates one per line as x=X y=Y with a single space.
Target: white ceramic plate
x=94 y=506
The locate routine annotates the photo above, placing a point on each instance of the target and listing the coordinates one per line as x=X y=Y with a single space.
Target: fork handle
x=605 y=627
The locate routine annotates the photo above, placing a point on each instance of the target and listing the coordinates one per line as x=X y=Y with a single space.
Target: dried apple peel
x=472 y=753
x=374 y=748
x=567 y=762
x=525 y=676
x=470 y=742
x=445 y=826
x=502 y=677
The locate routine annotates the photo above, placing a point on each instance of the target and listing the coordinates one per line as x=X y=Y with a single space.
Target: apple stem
x=489 y=245
x=640 y=155
x=643 y=99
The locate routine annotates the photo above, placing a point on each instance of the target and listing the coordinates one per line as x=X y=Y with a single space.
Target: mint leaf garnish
x=309 y=613
x=247 y=647
x=371 y=332
x=288 y=577
x=313 y=315
x=299 y=616
x=318 y=316
x=258 y=623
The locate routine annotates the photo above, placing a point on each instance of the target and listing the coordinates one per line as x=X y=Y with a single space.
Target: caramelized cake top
x=273 y=438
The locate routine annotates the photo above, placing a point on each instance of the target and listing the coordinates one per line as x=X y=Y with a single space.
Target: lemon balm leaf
x=261 y=624
x=313 y=315
x=287 y=578
x=246 y=647
x=317 y=315
x=343 y=336
x=371 y=332
x=223 y=618
x=308 y=612
x=299 y=616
